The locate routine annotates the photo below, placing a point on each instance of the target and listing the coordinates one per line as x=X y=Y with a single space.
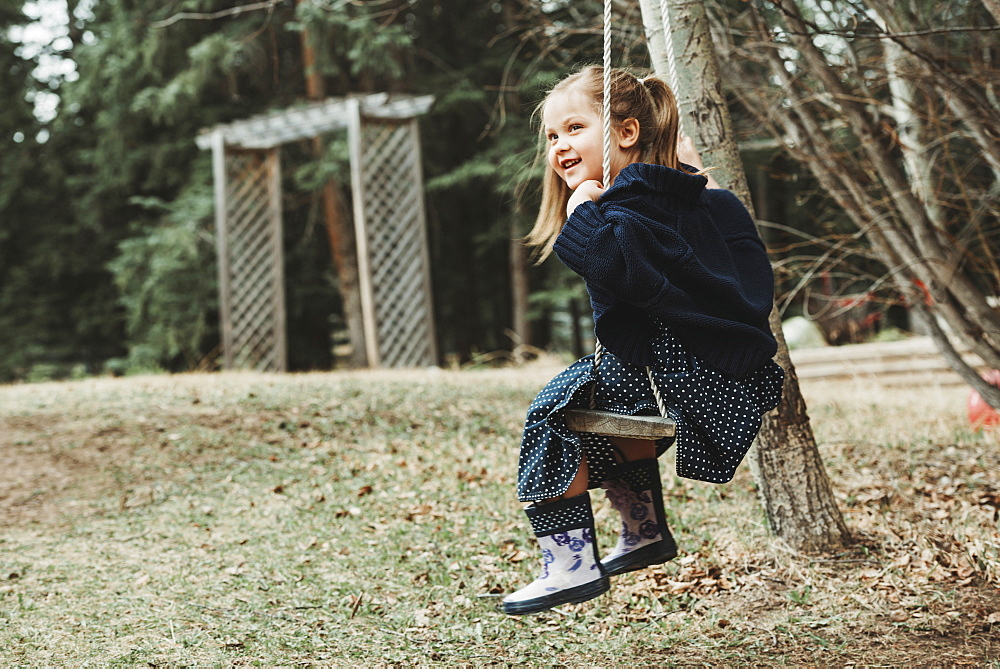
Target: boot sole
x=580 y=593
x=647 y=556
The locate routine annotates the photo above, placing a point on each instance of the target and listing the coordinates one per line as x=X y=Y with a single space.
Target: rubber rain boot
x=637 y=494
x=571 y=568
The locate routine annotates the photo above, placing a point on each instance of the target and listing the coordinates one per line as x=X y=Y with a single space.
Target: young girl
x=680 y=282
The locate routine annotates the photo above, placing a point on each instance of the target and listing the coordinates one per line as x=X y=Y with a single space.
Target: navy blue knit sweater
x=659 y=244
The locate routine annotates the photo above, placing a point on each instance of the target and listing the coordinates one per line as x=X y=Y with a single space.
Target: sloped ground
x=329 y=518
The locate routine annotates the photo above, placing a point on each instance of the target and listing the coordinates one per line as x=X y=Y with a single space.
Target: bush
x=167 y=281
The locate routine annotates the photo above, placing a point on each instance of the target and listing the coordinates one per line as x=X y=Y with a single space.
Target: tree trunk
x=917 y=156
x=794 y=488
x=519 y=290
x=970 y=103
x=338 y=227
x=791 y=479
x=345 y=259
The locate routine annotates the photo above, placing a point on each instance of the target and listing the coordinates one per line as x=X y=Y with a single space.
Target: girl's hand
x=588 y=190
x=687 y=153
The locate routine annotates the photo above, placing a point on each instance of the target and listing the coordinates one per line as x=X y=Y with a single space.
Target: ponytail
x=659 y=146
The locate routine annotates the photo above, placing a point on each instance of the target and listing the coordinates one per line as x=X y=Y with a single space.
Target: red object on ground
x=982 y=414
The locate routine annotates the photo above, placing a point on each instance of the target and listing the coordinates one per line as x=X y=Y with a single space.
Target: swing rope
x=606 y=169
x=668 y=39
x=606 y=102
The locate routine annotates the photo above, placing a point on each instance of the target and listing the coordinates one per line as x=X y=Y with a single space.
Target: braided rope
x=605 y=157
x=606 y=103
x=661 y=404
x=668 y=38
x=598 y=354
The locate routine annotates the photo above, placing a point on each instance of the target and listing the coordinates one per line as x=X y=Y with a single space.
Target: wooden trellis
x=387 y=192
x=251 y=276
x=392 y=249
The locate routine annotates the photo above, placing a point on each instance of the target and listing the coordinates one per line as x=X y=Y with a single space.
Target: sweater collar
x=640 y=178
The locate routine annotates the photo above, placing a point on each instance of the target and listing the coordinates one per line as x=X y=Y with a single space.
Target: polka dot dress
x=717 y=417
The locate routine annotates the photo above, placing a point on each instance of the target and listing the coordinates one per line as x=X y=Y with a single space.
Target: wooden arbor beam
x=303 y=122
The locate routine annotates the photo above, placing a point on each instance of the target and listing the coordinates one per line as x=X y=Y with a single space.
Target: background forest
x=107 y=258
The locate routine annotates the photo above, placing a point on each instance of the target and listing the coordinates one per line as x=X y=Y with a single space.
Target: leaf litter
x=425 y=477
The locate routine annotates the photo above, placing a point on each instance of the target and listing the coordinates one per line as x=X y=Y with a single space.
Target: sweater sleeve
x=594 y=241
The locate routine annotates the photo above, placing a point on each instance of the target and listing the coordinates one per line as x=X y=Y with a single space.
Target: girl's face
x=574 y=133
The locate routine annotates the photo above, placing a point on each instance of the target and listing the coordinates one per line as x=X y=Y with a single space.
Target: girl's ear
x=628 y=133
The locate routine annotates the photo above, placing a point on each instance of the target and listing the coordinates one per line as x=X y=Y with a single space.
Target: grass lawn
x=245 y=519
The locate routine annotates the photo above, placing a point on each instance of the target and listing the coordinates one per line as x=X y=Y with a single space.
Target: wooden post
x=278 y=254
x=519 y=289
x=418 y=179
x=222 y=246
x=361 y=232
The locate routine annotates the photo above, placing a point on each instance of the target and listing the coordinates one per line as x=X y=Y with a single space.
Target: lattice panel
x=395 y=238
x=252 y=286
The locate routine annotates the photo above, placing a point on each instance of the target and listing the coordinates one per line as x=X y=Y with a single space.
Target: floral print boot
x=571 y=569
x=637 y=494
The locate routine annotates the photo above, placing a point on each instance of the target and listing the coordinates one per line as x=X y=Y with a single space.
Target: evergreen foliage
x=106 y=234
x=105 y=244
x=57 y=308
x=169 y=327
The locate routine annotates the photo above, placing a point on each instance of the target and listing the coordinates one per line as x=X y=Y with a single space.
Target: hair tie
x=641 y=81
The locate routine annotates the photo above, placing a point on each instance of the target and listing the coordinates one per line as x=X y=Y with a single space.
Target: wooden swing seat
x=611 y=424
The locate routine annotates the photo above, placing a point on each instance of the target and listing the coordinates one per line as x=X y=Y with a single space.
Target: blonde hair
x=649 y=101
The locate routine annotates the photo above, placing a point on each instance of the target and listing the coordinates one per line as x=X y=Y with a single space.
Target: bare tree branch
x=858 y=35
x=222 y=13
x=938 y=235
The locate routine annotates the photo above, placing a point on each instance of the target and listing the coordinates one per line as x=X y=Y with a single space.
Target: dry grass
x=329 y=518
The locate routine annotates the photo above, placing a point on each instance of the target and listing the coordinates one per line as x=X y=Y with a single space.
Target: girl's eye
x=553 y=136
x=575 y=127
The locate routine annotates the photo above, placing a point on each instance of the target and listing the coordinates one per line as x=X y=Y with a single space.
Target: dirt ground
x=56 y=456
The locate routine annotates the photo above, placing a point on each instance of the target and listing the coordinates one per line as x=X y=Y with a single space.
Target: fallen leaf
x=899 y=616
x=677 y=587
